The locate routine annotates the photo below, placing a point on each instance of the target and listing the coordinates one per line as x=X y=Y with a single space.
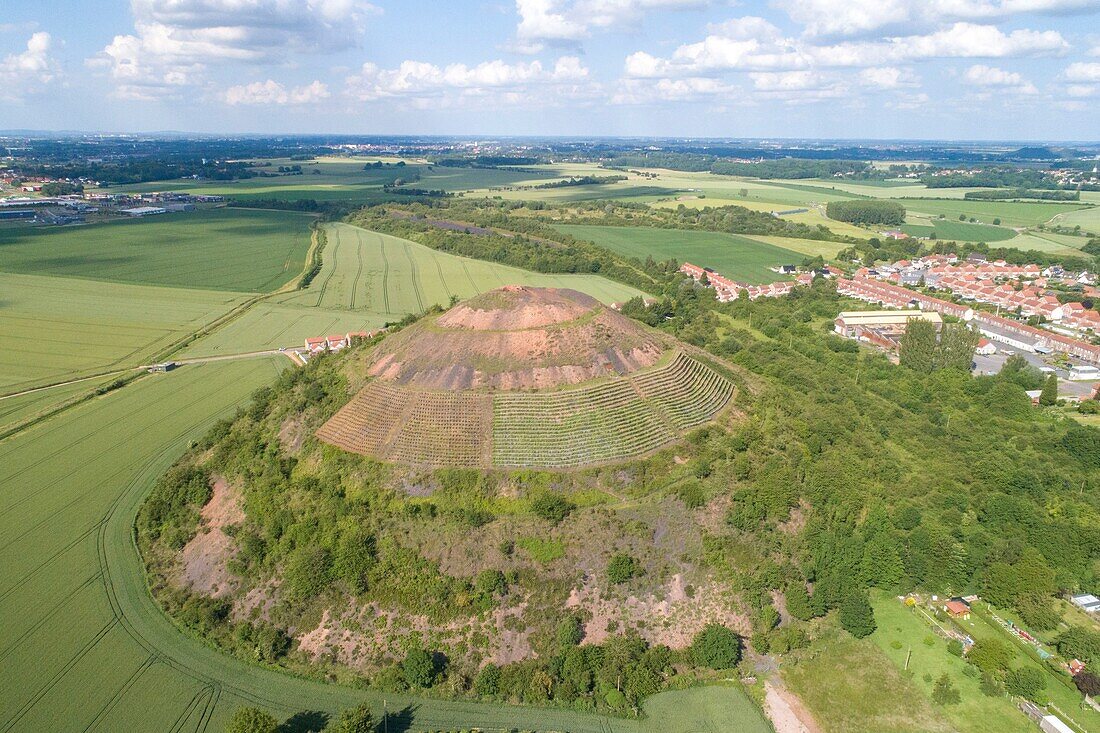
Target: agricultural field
x=368 y=279
x=1011 y=213
x=696 y=709
x=734 y=256
x=215 y=249
x=54 y=329
x=959 y=231
x=84 y=646
x=19 y=408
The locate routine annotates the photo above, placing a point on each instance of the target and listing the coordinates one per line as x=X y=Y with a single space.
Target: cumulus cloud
x=22 y=72
x=857 y=17
x=507 y=82
x=174 y=41
x=753 y=44
x=1083 y=71
x=550 y=22
x=272 y=92
x=981 y=75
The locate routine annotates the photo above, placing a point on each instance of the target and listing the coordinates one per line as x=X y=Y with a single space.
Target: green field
x=368 y=279
x=731 y=255
x=215 y=249
x=1011 y=213
x=901 y=633
x=698 y=709
x=958 y=231
x=851 y=687
x=15 y=410
x=58 y=328
x=83 y=646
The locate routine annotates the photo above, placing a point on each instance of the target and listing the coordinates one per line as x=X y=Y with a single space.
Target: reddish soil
x=786 y=711
x=203 y=560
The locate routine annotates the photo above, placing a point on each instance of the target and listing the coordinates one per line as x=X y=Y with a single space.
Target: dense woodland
x=867 y=211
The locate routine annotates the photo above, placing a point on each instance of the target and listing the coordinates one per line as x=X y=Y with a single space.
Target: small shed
x=957 y=608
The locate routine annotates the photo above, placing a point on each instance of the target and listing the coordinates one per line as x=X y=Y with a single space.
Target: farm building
x=141 y=211
x=957 y=608
x=1053 y=724
x=1087 y=601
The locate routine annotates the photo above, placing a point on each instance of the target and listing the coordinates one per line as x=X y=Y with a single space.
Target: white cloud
x=23 y=72
x=175 y=41
x=888 y=77
x=1082 y=71
x=272 y=92
x=543 y=22
x=822 y=18
x=981 y=75
x=507 y=82
x=730 y=47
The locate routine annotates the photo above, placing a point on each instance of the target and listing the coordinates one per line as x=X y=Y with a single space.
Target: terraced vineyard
x=616 y=419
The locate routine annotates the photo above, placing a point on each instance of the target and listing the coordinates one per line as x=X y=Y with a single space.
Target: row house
x=727 y=290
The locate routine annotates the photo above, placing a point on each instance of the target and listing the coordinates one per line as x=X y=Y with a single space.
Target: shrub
x=252 y=720
x=622 y=568
x=570 y=632
x=552 y=507
x=419 y=668
x=307 y=572
x=944 y=693
x=1027 y=682
x=716 y=647
x=487 y=682
x=856 y=615
x=358 y=719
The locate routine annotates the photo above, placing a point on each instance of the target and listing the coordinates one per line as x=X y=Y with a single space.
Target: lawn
x=368 y=279
x=57 y=328
x=215 y=249
x=960 y=231
x=902 y=632
x=851 y=687
x=1011 y=213
x=84 y=646
x=731 y=255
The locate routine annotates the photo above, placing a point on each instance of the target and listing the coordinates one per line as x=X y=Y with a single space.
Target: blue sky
x=926 y=69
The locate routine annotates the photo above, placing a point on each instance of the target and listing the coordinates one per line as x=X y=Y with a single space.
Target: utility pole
x=908 y=656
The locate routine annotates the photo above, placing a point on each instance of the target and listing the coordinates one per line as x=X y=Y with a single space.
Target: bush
x=358 y=719
x=487 y=682
x=552 y=507
x=1027 y=682
x=419 y=668
x=716 y=647
x=622 y=568
x=944 y=693
x=252 y=720
x=570 y=632
x=307 y=572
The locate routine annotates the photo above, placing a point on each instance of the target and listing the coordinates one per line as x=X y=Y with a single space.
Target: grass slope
x=83 y=644
x=368 y=279
x=215 y=249
x=58 y=328
x=736 y=257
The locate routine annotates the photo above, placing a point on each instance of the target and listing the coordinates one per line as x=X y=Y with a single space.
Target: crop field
x=1011 y=213
x=696 y=709
x=84 y=647
x=368 y=279
x=960 y=231
x=58 y=328
x=16 y=409
x=216 y=249
x=805 y=247
x=734 y=256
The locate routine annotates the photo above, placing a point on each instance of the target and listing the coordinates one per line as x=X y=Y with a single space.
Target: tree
x=1049 y=395
x=716 y=647
x=798 y=602
x=917 y=349
x=570 y=631
x=252 y=720
x=944 y=693
x=991 y=656
x=622 y=568
x=552 y=507
x=882 y=565
x=358 y=719
x=487 y=682
x=419 y=668
x=856 y=615
x=1088 y=683
x=956 y=347
x=1026 y=682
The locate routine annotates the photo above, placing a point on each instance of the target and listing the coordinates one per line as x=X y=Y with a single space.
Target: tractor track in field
x=200 y=699
x=15 y=644
x=415 y=272
x=44 y=690
x=358 y=274
x=331 y=273
x=108 y=706
x=385 y=274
